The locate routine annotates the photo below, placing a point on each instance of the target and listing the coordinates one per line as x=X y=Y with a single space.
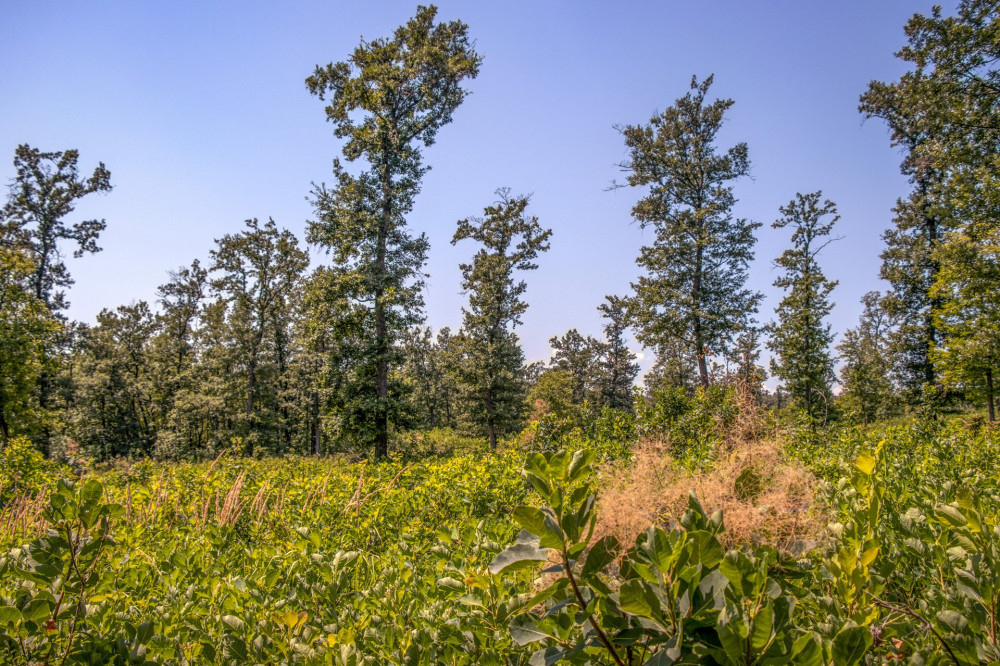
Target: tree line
x=257 y=349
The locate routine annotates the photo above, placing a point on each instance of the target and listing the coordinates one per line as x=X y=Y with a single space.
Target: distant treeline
x=258 y=350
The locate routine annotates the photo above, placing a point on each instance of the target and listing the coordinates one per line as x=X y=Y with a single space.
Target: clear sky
x=200 y=111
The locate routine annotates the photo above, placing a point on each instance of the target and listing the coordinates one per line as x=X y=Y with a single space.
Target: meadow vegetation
x=851 y=545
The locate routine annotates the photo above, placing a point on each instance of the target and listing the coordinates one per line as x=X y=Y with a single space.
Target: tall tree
x=257 y=273
x=113 y=411
x=43 y=194
x=618 y=368
x=491 y=370
x=694 y=289
x=746 y=353
x=387 y=100
x=800 y=339
x=431 y=379
x=579 y=355
x=969 y=355
x=942 y=112
x=866 y=364
x=26 y=326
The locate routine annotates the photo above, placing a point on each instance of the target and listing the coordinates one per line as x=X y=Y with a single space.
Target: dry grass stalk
x=259 y=504
x=763 y=497
x=233 y=506
x=358 y=503
x=22 y=517
x=356 y=497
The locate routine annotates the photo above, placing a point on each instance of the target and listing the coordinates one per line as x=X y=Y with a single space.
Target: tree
x=428 y=371
x=750 y=375
x=799 y=338
x=387 y=100
x=618 y=368
x=44 y=192
x=866 y=372
x=694 y=289
x=580 y=356
x=113 y=412
x=675 y=367
x=26 y=327
x=257 y=273
x=969 y=315
x=491 y=369
x=943 y=114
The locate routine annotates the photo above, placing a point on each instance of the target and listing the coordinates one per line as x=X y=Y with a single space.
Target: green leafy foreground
x=332 y=562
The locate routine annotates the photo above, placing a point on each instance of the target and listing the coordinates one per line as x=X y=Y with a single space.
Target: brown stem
x=583 y=605
x=906 y=610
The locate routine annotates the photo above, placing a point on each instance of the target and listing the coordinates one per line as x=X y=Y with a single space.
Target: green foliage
x=255 y=278
x=46 y=611
x=45 y=191
x=866 y=370
x=618 y=368
x=418 y=75
x=693 y=425
x=678 y=597
x=490 y=362
x=26 y=329
x=25 y=471
x=694 y=289
x=799 y=338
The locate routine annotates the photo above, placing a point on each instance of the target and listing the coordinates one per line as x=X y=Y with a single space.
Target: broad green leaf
x=519 y=555
x=850 y=645
x=601 y=554
x=9 y=615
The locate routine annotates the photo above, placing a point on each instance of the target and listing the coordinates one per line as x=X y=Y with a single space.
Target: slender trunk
x=490 y=419
x=381 y=330
x=933 y=267
x=4 y=428
x=989 y=393
x=44 y=393
x=251 y=384
x=699 y=340
x=316 y=433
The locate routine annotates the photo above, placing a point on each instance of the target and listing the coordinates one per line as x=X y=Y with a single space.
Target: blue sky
x=200 y=111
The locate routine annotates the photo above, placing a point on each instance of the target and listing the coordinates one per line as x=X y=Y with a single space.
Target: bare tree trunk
x=989 y=394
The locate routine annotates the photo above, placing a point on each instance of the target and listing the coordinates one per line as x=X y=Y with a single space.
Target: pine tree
x=387 y=100
x=580 y=356
x=617 y=365
x=694 y=289
x=491 y=369
x=799 y=338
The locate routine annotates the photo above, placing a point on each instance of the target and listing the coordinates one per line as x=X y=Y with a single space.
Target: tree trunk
x=989 y=394
x=699 y=340
x=4 y=428
x=490 y=418
x=381 y=330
